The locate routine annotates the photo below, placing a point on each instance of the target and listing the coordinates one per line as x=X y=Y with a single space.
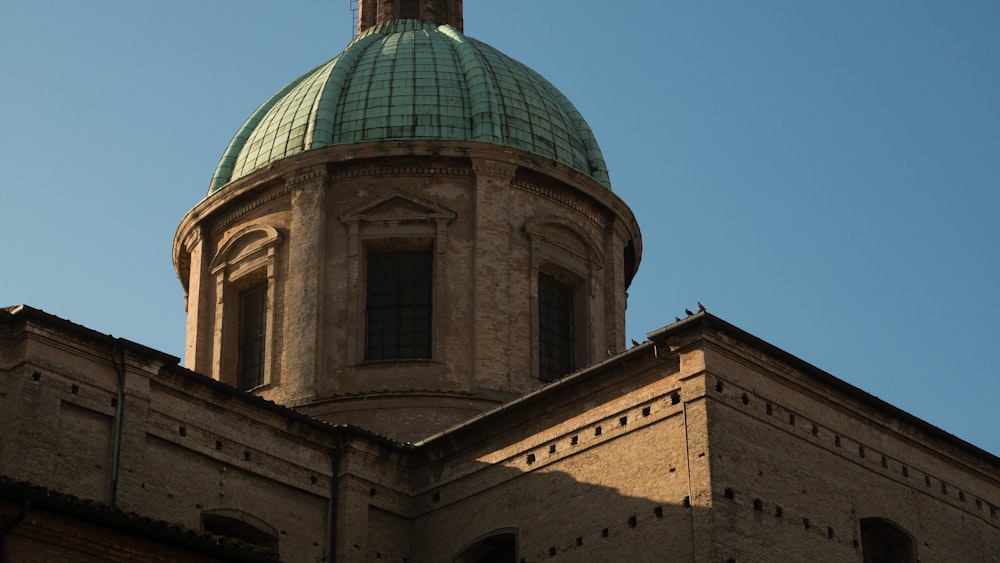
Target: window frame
x=398 y=221
x=561 y=250
x=243 y=526
x=890 y=539
x=484 y=549
x=255 y=296
x=246 y=260
x=423 y=248
x=570 y=336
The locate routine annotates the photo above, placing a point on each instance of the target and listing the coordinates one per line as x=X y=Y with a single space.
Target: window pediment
x=244 y=245
x=562 y=234
x=399 y=208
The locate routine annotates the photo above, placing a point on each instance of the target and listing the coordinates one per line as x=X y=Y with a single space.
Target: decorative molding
x=250 y=206
x=399 y=171
x=222 y=258
x=493 y=168
x=567 y=202
x=426 y=210
x=536 y=228
x=302 y=176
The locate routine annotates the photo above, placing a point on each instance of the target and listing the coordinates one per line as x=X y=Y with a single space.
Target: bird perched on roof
x=701 y=308
x=677 y=319
x=634 y=343
x=688 y=311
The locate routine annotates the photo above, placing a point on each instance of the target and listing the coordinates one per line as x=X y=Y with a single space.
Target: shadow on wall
x=502 y=514
x=548 y=515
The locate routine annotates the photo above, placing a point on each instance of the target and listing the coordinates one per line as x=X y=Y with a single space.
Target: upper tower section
x=411 y=79
x=371 y=13
x=414 y=232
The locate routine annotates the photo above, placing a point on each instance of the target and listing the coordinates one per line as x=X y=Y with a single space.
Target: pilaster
x=306 y=256
x=198 y=342
x=490 y=341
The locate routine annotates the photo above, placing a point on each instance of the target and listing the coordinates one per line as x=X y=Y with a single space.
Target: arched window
x=563 y=263
x=497 y=547
x=884 y=542
x=242 y=526
x=244 y=269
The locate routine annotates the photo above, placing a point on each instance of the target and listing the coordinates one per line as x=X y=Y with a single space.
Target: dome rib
x=320 y=132
x=408 y=79
x=598 y=168
x=484 y=99
x=224 y=172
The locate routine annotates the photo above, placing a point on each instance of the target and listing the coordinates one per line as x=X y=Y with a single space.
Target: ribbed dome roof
x=411 y=79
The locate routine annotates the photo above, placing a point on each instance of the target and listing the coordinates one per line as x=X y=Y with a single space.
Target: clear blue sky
x=825 y=175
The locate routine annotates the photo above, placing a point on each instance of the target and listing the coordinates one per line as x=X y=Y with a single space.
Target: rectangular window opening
x=252 y=337
x=398 y=305
x=556 y=328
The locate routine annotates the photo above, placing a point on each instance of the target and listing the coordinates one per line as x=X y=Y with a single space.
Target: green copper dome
x=410 y=79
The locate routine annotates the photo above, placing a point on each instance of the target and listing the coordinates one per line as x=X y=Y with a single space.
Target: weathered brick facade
x=493 y=217
x=704 y=444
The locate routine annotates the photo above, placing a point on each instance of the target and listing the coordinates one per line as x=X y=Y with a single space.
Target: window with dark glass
x=398 y=305
x=884 y=542
x=499 y=548
x=253 y=329
x=230 y=525
x=555 y=328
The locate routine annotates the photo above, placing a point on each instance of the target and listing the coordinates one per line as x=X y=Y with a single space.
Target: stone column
x=302 y=350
